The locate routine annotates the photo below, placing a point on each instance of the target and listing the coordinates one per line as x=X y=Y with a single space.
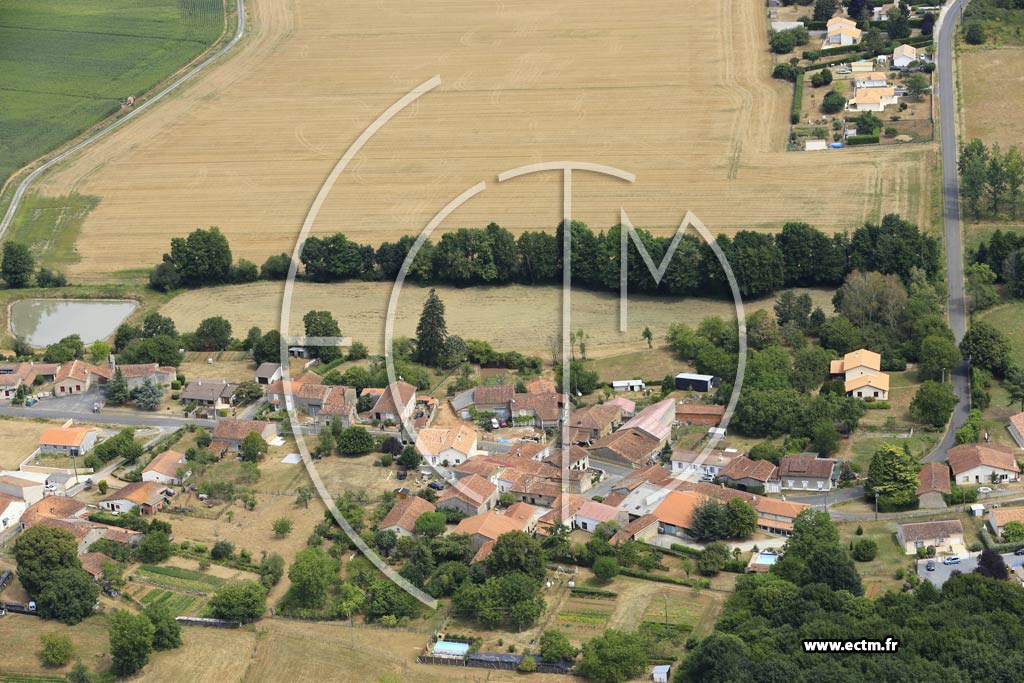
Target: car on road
x=930 y=566
x=436 y=485
x=1019 y=551
x=951 y=559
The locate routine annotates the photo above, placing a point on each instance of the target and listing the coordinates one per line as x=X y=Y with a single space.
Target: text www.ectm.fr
x=862 y=645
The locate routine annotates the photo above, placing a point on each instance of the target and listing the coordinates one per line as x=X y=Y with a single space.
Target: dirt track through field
x=676 y=92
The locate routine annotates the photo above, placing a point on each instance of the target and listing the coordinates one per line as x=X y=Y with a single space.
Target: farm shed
x=815 y=145
x=660 y=673
x=693 y=382
x=628 y=385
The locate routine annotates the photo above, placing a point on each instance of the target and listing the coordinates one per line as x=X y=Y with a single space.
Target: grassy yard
x=650 y=365
x=1009 y=319
x=882 y=570
x=20 y=634
x=863 y=445
x=68 y=64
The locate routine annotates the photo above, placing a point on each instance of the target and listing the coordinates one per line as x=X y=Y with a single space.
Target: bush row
x=862 y=140
x=798 y=98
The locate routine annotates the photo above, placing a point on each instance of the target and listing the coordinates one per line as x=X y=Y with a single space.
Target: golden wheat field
x=677 y=92
x=992 y=91
x=515 y=317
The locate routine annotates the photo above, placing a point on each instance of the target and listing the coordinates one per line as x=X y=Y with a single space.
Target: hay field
x=678 y=93
x=992 y=92
x=515 y=317
x=19 y=439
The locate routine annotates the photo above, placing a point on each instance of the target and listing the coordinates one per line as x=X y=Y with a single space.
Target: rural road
x=19 y=194
x=104 y=418
x=951 y=211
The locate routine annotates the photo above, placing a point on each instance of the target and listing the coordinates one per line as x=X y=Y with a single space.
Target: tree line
x=798 y=256
x=990 y=179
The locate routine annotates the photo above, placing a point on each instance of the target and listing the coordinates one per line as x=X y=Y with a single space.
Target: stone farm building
x=229 y=434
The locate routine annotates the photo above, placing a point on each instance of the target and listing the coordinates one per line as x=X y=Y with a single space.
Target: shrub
x=865 y=550
x=974 y=33
x=222 y=550
x=891 y=132
x=57 y=649
x=528 y=664
x=102 y=486
x=833 y=103
x=862 y=140
x=798 y=98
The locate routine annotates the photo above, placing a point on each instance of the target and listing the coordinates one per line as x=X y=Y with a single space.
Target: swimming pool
x=769 y=558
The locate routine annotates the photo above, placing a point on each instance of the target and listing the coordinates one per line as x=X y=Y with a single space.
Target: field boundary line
x=19 y=194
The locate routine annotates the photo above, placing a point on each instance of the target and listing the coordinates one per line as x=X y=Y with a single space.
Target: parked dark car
x=402 y=474
x=1019 y=551
x=930 y=565
x=436 y=485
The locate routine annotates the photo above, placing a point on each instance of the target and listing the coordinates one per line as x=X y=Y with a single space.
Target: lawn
x=20 y=635
x=882 y=570
x=650 y=365
x=1009 y=319
x=67 y=64
x=863 y=445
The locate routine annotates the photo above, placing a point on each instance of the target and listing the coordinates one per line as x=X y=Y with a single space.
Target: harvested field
x=20 y=634
x=19 y=439
x=993 y=95
x=659 y=88
x=361 y=308
x=207 y=655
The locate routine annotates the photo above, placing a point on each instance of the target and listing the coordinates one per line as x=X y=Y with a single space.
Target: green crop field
x=177 y=579
x=67 y=64
x=175 y=602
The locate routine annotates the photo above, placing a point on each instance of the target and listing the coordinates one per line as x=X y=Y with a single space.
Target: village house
x=978 y=463
x=23 y=485
x=524 y=514
x=628 y=446
x=536 y=490
x=149 y=496
x=135 y=375
x=1016 y=428
x=395 y=404
x=69 y=514
x=746 y=474
x=340 y=405
x=71 y=441
x=641 y=529
x=163 y=468
x=624 y=404
x=482 y=466
x=268 y=373
x=808 y=472
x=774 y=516
x=543 y=411
x=861 y=371
x=229 y=434
x=687 y=462
x=573 y=458
x=594 y=422
x=402 y=516
x=487 y=527
x=871 y=79
x=11 y=510
x=310 y=398
x=872 y=99
x=655 y=475
x=699 y=414
x=675 y=512
x=591 y=514
x=933 y=482
x=903 y=56
x=470 y=495
x=946 y=535
x=77 y=377
x=999 y=517
x=841 y=31
x=13 y=375
x=211 y=395
x=563 y=511
x=446 y=447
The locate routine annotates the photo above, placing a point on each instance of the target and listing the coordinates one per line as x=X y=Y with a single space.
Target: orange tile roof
x=490 y=524
x=483 y=552
x=595 y=417
x=405 y=512
x=940 y=528
x=572 y=504
x=140 y=492
x=879 y=381
x=479 y=465
x=541 y=385
x=677 y=508
x=65 y=436
x=632 y=444
x=521 y=512
x=228 y=429
x=968 y=456
x=434 y=440
x=629 y=532
x=166 y=463
x=93 y=563
x=782 y=508
x=492 y=394
x=1002 y=516
x=472 y=489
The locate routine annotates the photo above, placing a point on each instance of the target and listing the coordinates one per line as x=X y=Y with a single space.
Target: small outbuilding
x=628 y=385
x=692 y=382
x=660 y=673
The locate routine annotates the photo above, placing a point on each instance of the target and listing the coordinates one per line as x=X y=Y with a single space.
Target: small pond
x=45 y=321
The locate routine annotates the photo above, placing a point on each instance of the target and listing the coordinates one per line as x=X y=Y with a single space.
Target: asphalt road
x=951 y=211
x=142 y=420
x=188 y=75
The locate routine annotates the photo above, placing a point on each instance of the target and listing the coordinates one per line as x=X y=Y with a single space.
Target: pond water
x=45 y=321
